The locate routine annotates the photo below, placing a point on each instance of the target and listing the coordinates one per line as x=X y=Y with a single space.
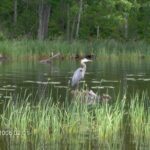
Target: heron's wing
x=77 y=76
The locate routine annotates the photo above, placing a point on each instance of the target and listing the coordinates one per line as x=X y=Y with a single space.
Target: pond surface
x=102 y=76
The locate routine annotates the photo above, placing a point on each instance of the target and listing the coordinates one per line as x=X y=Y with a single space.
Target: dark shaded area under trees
x=75 y=19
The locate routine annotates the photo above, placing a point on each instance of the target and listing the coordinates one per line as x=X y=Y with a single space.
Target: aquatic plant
x=53 y=120
x=108 y=120
x=139 y=113
x=71 y=121
x=34 y=49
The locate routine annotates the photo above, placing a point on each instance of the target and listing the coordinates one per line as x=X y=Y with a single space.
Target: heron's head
x=84 y=60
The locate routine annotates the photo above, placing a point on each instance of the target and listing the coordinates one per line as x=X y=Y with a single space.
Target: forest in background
x=75 y=19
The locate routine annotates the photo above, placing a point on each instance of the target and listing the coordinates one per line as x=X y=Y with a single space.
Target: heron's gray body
x=77 y=76
x=79 y=73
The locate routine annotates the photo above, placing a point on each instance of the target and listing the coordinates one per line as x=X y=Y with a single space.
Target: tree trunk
x=73 y=28
x=126 y=27
x=15 y=12
x=44 y=13
x=62 y=16
x=97 y=34
x=79 y=19
x=68 y=23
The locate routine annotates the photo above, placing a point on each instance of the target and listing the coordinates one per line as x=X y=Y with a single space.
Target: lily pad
x=63 y=87
x=109 y=87
x=102 y=87
x=140 y=75
x=140 y=79
x=28 y=81
x=54 y=82
x=7 y=97
x=96 y=81
x=45 y=83
x=146 y=79
x=40 y=82
x=112 y=81
x=97 y=87
x=130 y=75
x=5 y=89
x=131 y=79
x=9 y=86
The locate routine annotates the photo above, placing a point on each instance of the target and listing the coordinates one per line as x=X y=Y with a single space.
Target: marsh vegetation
x=36 y=50
x=52 y=122
x=37 y=108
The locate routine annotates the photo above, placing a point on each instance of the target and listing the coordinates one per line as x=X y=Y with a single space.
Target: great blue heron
x=79 y=73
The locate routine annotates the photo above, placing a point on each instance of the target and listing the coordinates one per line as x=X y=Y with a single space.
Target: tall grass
x=109 y=120
x=76 y=121
x=140 y=117
x=53 y=120
x=32 y=49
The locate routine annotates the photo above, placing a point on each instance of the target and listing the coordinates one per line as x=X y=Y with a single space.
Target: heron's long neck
x=83 y=65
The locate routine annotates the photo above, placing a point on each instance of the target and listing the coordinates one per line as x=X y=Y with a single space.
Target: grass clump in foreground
x=53 y=121
x=75 y=121
x=139 y=112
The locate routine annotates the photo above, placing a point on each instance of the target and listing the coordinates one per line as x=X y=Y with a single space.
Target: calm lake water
x=102 y=76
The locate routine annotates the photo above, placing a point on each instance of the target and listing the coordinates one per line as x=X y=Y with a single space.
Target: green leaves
x=108 y=17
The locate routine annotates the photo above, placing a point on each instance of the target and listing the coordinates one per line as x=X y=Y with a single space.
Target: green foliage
x=2 y=36
x=108 y=15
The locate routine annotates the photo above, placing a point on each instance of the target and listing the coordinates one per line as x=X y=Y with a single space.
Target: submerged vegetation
x=75 y=120
x=33 y=49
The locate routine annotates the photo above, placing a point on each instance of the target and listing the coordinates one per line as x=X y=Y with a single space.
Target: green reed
x=139 y=112
x=33 y=49
x=109 y=120
x=54 y=120
x=71 y=121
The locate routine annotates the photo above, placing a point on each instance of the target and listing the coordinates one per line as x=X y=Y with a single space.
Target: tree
x=75 y=19
x=44 y=13
x=15 y=12
x=79 y=18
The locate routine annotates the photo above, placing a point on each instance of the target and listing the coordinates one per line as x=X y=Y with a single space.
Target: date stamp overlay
x=8 y=132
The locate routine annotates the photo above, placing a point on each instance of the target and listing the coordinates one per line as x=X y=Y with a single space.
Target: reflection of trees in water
x=48 y=72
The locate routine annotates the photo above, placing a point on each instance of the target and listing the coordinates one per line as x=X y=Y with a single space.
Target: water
x=102 y=76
